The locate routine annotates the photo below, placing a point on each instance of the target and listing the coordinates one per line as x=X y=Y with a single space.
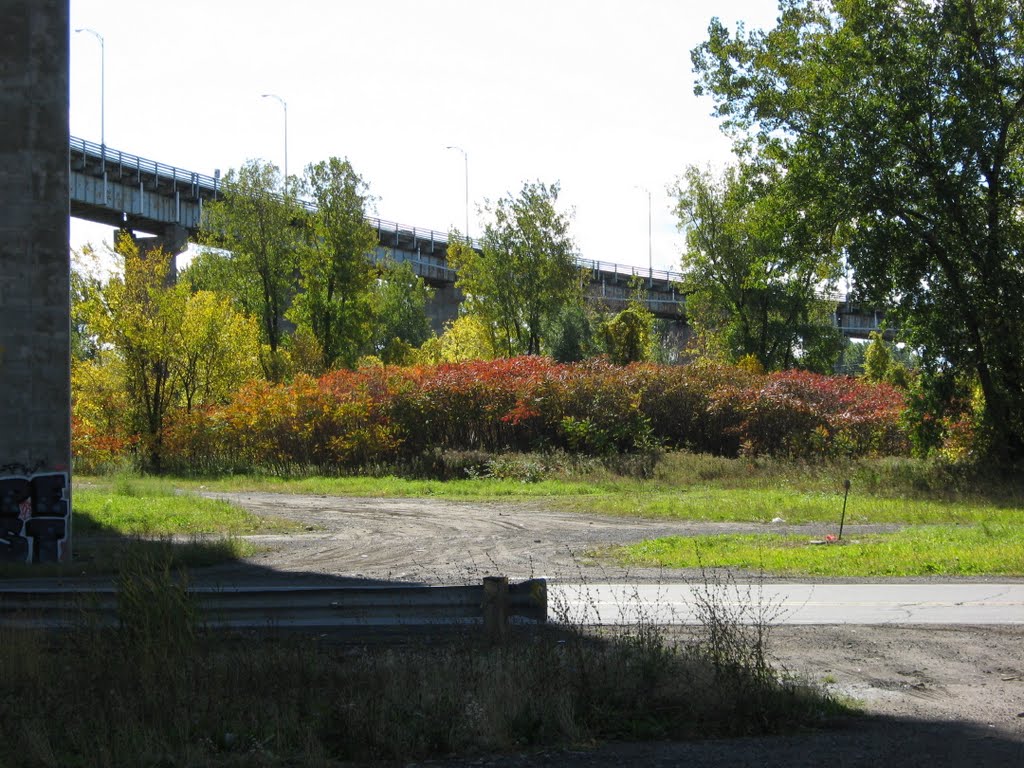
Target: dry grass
x=160 y=690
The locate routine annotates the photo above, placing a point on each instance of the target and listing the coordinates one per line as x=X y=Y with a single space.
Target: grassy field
x=984 y=549
x=959 y=523
x=134 y=506
x=121 y=517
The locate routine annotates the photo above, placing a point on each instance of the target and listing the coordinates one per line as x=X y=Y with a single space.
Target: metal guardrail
x=123 y=160
x=305 y=607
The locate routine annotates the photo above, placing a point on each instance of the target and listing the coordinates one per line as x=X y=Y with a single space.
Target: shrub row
x=349 y=419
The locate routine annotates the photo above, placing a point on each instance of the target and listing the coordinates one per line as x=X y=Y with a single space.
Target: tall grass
x=161 y=690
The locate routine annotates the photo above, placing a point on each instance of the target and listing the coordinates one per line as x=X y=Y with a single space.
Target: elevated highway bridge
x=121 y=190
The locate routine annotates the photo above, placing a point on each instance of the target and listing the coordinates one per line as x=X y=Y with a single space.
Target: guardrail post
x=496 y=608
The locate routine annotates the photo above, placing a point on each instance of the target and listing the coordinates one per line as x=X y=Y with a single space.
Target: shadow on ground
x=857 y=741
x=875 y=742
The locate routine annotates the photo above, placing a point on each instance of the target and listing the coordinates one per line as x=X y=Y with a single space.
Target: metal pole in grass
x=846 y=485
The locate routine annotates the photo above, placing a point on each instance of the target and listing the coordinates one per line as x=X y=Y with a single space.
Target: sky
x=596 y=95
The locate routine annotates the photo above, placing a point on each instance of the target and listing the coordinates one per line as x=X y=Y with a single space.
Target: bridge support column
x=444 y=306
x=35 y=335
x=173 y=240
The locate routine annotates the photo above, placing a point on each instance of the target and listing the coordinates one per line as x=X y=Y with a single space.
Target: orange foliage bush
x=354 y=418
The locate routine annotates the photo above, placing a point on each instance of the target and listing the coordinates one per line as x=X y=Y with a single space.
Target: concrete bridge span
x=122 y=190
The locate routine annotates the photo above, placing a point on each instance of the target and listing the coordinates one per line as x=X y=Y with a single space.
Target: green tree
x=571 y=336
x=138 y=316
x=84 y=282
x=337 y=274
x=851 y=358
x=754 y=264
x=906 y=117
x=219 y=350
x=465 y=338
x=628 y=337
x=877 y=359
x=525 y=272
x=252 y=235
x=400 y=313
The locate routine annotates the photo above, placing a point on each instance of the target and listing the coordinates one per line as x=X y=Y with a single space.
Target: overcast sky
x=594 y=94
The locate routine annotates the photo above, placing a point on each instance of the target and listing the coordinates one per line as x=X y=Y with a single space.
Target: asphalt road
x=932 y=603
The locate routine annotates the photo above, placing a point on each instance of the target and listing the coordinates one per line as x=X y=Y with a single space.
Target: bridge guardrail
x=212 y=185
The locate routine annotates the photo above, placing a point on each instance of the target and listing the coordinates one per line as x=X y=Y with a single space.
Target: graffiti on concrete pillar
x=34 y=516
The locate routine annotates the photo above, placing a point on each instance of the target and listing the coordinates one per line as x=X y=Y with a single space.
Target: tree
x=219 y=350
x=628 y=337
x=84 y=344
x=906 y=117
x=877 y=359
x=252 y=235
x=465 y=338
x=400 y=313
x=571 y=336
x=337 y=274
x=754 y=264
x=525 y=272
x=138 y=315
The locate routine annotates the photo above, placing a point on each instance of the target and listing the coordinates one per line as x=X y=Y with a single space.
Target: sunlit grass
x=626 y=497
x=152 y=508
x=764 y=505
x=962 y=523
x=993 y=548
x=395 y=487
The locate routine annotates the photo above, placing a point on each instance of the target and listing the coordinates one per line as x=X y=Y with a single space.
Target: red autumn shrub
x=353 y=418
x=95 y=449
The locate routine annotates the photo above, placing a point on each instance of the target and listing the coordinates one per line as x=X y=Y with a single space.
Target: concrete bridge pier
x=173 y=241
x=35 y=270
x=444 y=306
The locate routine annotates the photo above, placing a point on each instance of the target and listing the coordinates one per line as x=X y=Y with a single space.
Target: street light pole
x=285 y=105
x=103 y=94
x=650 y=259
x=465 y=160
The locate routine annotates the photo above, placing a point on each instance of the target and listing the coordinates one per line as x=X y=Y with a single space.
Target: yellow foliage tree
x=465 y=338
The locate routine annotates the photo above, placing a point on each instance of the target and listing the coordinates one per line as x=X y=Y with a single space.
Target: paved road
x=792 y=603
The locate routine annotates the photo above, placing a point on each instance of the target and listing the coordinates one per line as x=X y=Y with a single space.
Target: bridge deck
x=118 y=189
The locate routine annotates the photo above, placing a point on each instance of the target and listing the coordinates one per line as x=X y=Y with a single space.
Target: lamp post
x=284 y=104
x=103 y=95
x=465 y=160
x=650 y=260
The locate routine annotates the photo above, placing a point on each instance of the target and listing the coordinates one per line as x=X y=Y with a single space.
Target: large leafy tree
x=337 y=274
x=219 y=350
x=907 y=118
x=137 y=315
x=755 y=265
x=400 y=301
x=157 y=347
x=525 y=272
x=253 y=235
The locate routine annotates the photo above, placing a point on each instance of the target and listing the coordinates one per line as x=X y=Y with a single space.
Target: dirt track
x=438 y=541
x=935 y=696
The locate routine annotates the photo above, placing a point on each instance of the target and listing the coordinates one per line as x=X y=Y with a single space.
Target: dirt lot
x=933 y=696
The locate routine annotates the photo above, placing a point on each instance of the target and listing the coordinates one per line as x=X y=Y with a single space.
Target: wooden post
x=496 y=608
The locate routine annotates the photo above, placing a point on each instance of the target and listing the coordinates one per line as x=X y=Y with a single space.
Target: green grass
x=761 y=505
x=965 y=522
x=482 y=489
x=987 y=548
x=688 y=487
x=122 y=517
x=128 y=506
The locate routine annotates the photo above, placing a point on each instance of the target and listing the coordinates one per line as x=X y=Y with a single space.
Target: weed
x=164 y=691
